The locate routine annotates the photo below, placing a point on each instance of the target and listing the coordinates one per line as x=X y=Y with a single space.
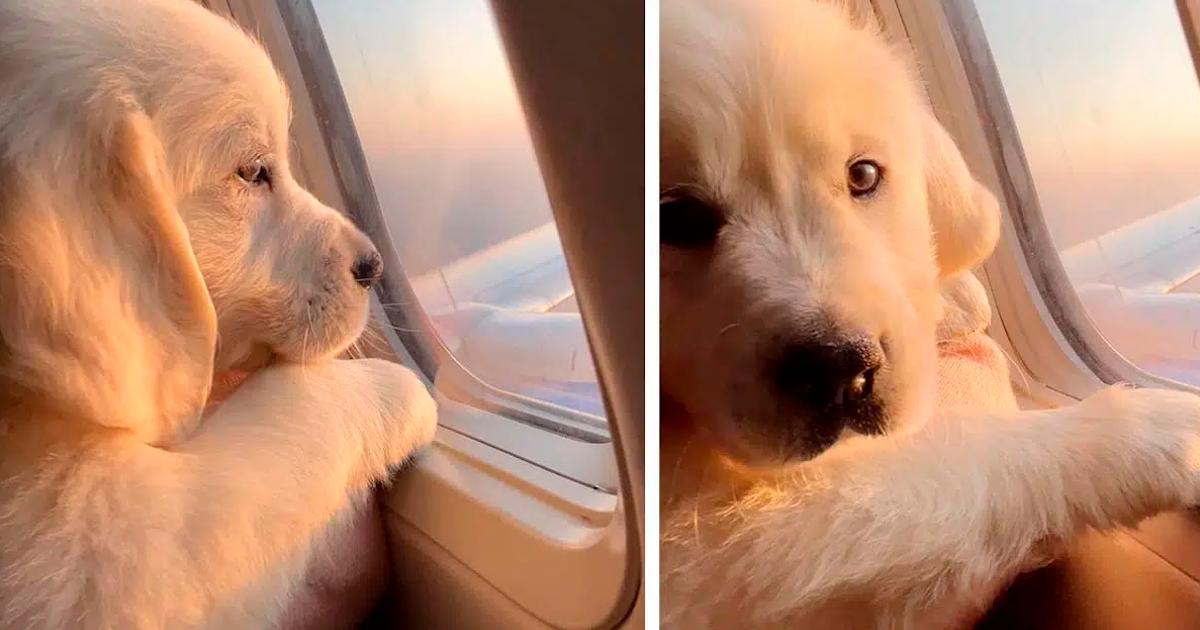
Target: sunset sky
x=1108 y=106
x=1103 y=91
x=433 y=100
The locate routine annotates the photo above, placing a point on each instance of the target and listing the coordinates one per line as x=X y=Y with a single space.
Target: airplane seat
x=1140 y=579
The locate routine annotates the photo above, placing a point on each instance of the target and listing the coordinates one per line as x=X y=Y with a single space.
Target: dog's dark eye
x=255 y=174
x=863 y=177
x=688 y=221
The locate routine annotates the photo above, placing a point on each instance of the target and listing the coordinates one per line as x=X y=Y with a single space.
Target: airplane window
x=454 y=169
x=1107 y=104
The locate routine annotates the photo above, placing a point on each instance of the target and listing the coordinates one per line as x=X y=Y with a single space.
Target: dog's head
x=810 y=205
x=151 y=227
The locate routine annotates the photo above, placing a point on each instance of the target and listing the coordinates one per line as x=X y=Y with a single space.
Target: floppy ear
x=964 y=215
x=106 y=317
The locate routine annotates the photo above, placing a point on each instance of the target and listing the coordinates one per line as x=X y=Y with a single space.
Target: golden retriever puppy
x=812 y=209
x=151 y=232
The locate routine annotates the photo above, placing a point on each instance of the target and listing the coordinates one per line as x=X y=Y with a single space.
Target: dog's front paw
x=1150 y=443
x=405 y=418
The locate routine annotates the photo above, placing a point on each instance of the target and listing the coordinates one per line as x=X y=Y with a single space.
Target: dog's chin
x=769 y=460
x=324 y=339
x=253 y=353
x=764 y=452
x=736 y=448
x=314 y=352
x=229 y=372
x=765 y=460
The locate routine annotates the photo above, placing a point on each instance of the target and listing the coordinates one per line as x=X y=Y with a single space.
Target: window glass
x=451 y=158
x=1107 y=104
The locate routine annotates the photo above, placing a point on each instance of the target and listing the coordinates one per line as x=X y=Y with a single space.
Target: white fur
x=133 y=262
x=763 y=104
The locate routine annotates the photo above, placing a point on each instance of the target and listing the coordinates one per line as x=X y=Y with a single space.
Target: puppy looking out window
x=151 y=233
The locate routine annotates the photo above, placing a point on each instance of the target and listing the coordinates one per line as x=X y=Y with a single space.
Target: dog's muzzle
x=831 y=381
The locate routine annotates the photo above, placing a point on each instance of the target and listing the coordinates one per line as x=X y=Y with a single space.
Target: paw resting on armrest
x=1139 y=451
x=405 y=418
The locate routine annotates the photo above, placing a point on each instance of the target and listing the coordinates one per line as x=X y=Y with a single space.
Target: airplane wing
x=1155 y=254
x=524 y=273
x=507 y=313
x=1140 y=284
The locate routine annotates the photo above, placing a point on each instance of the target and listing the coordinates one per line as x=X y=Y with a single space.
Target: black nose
x=367 y=269
x=834 y=376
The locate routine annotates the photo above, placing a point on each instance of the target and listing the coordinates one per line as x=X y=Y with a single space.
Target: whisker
x=373 y=338
x=696 y=512
x=402 y=329
x=368 y=340
x=679 y=464
x=304 y=342
x=362 y=348
x=728 y=328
